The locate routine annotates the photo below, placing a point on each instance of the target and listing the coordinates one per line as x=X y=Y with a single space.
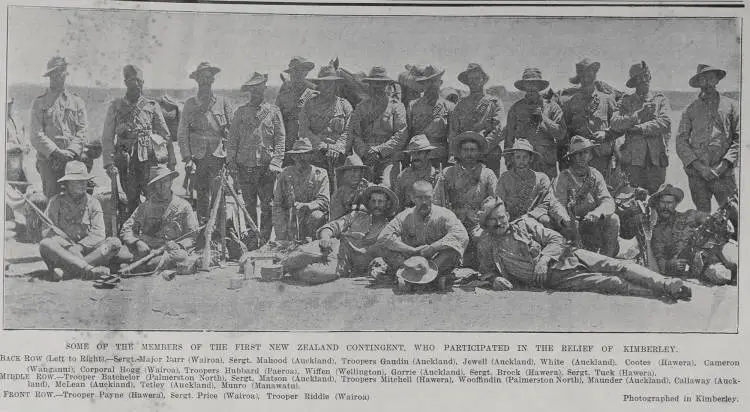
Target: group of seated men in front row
x=508 y=230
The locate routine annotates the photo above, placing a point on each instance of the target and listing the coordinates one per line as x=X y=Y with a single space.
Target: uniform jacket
x=480 y=113
x=381 y=127
x=651 y=139
x=587 y=114
x=670 y=237
x=466 y=189
x=441 y=229
x=543 y=136
x=310 y=186
x=409 y=176
x=126 y=122
x=593 y=197
x=202 y=128
x=290 y=100
x=325 y=122
x=156 y=223
x=257 y=136
x=431 y=119
x=82 y=220
x=518 y=191
x=58 y=121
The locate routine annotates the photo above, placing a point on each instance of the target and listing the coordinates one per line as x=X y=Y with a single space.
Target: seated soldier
x=527 y=253
x=348 y=243
x=85 y=252
x=418 y=150
x=303 y=187
x=526 y=192
x=426 y=230
x=158 y=222
x=352 y=178
x=677 y=254
x=581 y=190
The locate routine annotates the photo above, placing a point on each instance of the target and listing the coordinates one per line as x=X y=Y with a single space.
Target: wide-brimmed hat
x=254 y=80
x=409 y=77
x=54 y=64
x=301 y=63
x=419 y=143
x=474 y=137
x=636 y=71
x=417 y=269
x=351 y=162
x=703 y=69
x=327 y=73
x=470 y=68
x=381 y=189
x=666 y=189
x=579 y=144
x=75 y=170
x=530 y=76
x=202 y=67
x=301 y=145
x=447 y=92
x=377 y=74
x=522 y=145
x=158 y=172
x=430 y=72
x=487 y=207
x=132 y=71
x=584 y=66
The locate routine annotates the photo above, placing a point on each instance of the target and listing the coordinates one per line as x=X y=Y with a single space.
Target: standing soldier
x=589 y=112
x=377 y=130
x=17 y=146
x=325 y=118
x=58 y=127
x=537 y=120
x=708 y=140
x=478 y=112
x=201 y=133
x=644 y=118
x=418 y=151
x=301 y=196
x=135 y=137
x=428 y=115
x=293 y=95
x=256 y=150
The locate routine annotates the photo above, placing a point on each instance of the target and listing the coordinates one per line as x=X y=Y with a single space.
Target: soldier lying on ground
x=525 y=252
x=83 y=252
x=347 y=245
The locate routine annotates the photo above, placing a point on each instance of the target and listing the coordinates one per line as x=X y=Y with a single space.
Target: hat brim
x=326 y=78
x=631 y=83
x=581 y=150
x=73 y=178
x=421 y=149
x=428 y=78
x=312 y=149
x=463 y=74
x=427 y=277
x=306 y=66
x=595 y=66
x=511 y=151
x=672 y=191
x=694 y=80
x=171 y=174
x=523 y=84
x=473 y=138
x=342 y=169
x=378 y=80
x=213 y=69
x=54 y=69
x=246 y=86
x=388 y=192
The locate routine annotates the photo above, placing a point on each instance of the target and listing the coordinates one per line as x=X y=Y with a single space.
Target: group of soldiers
x=404 y=186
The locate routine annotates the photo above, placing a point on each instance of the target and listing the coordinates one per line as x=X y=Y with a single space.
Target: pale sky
x=167 y=46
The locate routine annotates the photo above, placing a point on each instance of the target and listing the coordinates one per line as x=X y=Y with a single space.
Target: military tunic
x=17 y=147
x=480 y=113
x=325 y=121
x=290 y=100
x=466 y=189
x=430 y=117
x=407 y=178
x=58 y=121
x=127 y=142
x=544 y=136
x=82 y=220
x=519 y=190
x=710 y=132
x=587 y=114
x=344 y=200
x=358 y=233
x=645 y=153
x=309 y=185
x=157 y=223
x=670 y=237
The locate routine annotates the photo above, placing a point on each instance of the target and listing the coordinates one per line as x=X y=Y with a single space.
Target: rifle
x=41 y=214
x=571 y=208
x=128 y=270
x=115 y=201
x=293 y=218
x=241 y=203
x=447 y=195
x=210 y=226
x=187 y=183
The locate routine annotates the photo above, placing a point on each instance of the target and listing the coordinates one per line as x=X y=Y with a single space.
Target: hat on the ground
x=327 y=73
x=353 y=161
x=417 y=269
x=703 y=69
x=487 y=207
x=530 y=76
x=131 y=70
x=75 y=170
x=583 y=66
x=430 y=72
x=158 y=172
x=666 y=189
x=381 y=189
x=470 y=68
x=301 y=145
x=522 y=145
x=474 y=137
x=298 y=62
x=637 y=70
x=254 y=80
x=54 y=64
x=377 y=74
x=419 y=143
x=579 y=144
x=204 y=66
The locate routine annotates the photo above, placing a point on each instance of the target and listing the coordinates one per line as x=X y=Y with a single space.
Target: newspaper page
x=337 y=207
